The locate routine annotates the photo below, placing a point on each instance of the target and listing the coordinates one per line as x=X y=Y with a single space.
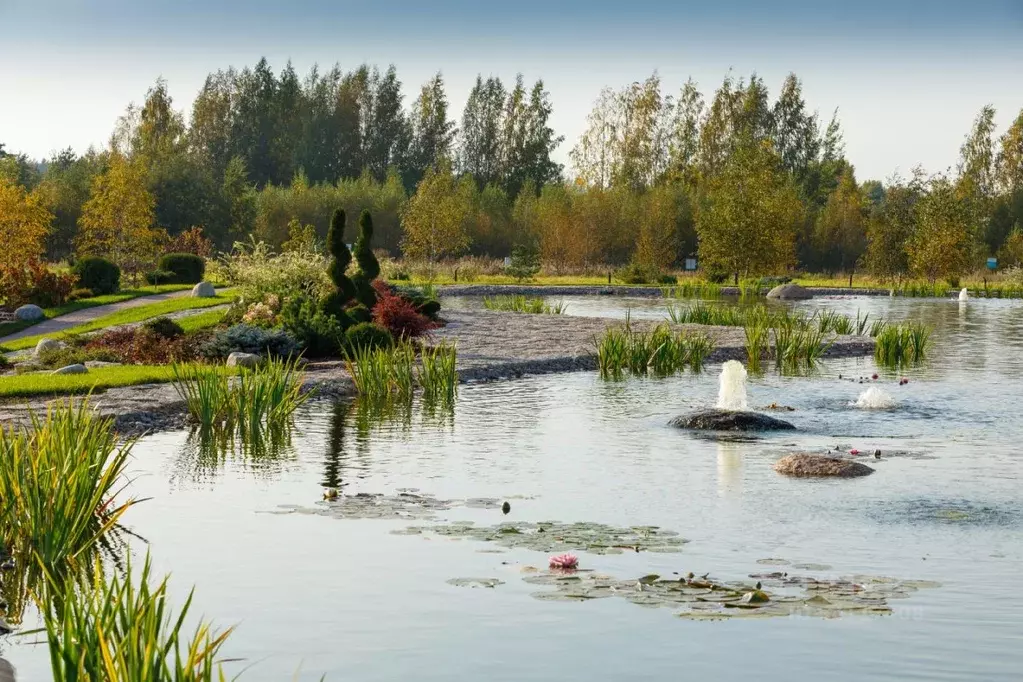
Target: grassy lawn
x=13 y=327
x=193 y=323
x=95 y=380
x=143 y=312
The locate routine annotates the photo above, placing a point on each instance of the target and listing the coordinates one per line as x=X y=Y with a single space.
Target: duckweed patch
x=556 y=537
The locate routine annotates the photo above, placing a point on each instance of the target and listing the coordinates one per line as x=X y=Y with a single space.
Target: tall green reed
x=124 y=630
x=438 y=374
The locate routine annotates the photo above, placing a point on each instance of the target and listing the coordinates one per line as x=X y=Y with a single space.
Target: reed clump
x=901 y=344
x=269 y=394
x=522 y=304
x=397 y=371
x=658 y=352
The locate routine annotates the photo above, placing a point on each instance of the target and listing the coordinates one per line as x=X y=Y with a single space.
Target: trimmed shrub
x=187 y=268
x=165 y=327
x=344 y=290
x=49 y=288
x=244 y=338
x=159 y=277
x=98 y=274
x=430 y=308
x=369 y=268
x=360 y=313
x=79 y=294
x=366 y=335
x=400 y=317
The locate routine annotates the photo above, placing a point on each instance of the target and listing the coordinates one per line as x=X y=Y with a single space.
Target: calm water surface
x=314 y=595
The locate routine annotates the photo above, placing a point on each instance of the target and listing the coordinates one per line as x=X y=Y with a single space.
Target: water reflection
x=263 y=449
x=729 y=469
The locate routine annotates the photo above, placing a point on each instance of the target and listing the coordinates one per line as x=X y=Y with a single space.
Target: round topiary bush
x=367 y=335
x=360 y=313
x=98 y=274
x=188 y=268
x=159 y=277
x=165 y=327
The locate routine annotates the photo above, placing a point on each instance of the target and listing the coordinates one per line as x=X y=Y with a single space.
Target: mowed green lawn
x=95 y=380
x=143 y=312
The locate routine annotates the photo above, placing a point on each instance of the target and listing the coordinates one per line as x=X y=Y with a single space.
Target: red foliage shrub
x=190 y=241
x=141 y=346
x=33 y=282
x=400 y=317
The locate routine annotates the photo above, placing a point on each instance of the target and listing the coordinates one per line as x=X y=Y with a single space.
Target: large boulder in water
x=789 y=292
x=730 y=420
x=816 y=466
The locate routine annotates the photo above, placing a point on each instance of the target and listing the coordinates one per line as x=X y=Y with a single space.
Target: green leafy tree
x=479 y=152
x=746 y=224
x=890 y=227
x=945 y=244
x=433 y=133
x=841 y=226
x=434 y=218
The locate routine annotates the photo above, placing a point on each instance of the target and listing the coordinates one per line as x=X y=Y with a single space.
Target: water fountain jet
x=732 y=411
x=964 y=294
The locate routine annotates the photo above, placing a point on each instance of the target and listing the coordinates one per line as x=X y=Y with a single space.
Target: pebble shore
x=491 y=346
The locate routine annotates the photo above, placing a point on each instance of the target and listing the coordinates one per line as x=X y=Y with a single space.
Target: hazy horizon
x=907 y=82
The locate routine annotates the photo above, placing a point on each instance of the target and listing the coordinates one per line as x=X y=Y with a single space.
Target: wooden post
x=609 y=278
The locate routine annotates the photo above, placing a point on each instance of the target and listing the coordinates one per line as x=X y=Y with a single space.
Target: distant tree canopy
x=750 y=182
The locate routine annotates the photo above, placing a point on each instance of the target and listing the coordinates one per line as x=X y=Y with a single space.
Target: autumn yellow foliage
x=24 y=224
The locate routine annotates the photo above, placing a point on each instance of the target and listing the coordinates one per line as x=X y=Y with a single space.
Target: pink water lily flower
x=564 y=561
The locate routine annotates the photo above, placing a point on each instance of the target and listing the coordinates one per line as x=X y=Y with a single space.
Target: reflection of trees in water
x=261 y=448
x=354 y=424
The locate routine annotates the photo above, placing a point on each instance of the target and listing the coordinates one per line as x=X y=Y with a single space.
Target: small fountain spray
x=964 y=294
x=875 y=398
x=731 y=413
x=732 y=387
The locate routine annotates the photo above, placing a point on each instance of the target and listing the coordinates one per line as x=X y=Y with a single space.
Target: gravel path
x=491 y=345
x=59 y=324
x=497 y=345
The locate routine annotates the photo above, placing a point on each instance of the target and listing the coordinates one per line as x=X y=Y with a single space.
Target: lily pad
x=553 y=537
x=475 y=582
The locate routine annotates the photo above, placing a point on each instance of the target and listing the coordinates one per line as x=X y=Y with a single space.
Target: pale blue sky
x=908 y=77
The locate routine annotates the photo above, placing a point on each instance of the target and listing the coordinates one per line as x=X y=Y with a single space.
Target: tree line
x=749 y=183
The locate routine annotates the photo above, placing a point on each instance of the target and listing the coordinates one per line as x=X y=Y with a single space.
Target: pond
x=360 y=599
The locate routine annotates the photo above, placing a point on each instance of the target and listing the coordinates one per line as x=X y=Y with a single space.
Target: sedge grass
x=124 y=630
x=382 y=372
x=901 y=344
x=756 y=343
x=438 y=374
x=269 y=394
x=659 y=352
x=522 y=304
x=58 y=483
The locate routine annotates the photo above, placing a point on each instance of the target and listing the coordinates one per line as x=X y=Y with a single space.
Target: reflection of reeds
x=123 y=629
x=259 y=446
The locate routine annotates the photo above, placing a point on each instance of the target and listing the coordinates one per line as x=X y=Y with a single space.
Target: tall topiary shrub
x=369 y=268
x=188 y=268
x=344 y=289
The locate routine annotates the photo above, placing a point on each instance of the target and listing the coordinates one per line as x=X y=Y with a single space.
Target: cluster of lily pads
x=771 y=594
x=556 y=537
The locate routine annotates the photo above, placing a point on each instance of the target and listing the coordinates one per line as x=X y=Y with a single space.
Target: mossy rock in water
x=814 y=466
x=730 y=420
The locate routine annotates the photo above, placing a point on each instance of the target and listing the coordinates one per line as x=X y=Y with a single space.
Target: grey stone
x=789 y=292
x=803 y=465
x=203 y=290
x=247 y=360
x=729 y=420
x=29 y=313
x=47 y=345
x=72 y=369
x=99 y=364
